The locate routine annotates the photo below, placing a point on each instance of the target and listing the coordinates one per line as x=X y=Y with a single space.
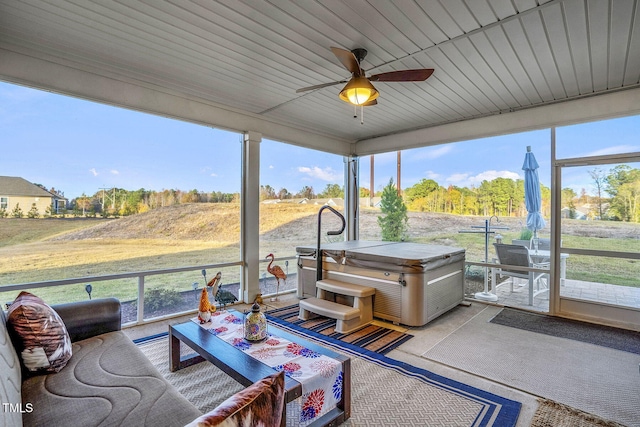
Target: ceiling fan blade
x=403 y=75
x=308 y=88
x=348 y=59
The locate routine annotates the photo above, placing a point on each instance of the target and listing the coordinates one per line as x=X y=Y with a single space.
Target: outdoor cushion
x=260 y=404
x=107 y=382
x=39 y=334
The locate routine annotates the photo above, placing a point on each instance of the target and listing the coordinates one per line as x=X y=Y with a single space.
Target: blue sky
x=78 y=147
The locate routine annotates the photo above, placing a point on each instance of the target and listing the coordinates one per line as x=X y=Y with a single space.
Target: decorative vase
x=255 y=324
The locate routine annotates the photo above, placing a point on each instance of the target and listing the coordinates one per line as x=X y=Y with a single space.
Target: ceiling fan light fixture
x=358 y=91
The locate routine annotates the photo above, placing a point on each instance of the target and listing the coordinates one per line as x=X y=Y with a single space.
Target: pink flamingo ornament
x=277 y=272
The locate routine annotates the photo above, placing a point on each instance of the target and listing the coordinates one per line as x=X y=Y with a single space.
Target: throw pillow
x=260 y=404
x=39 y=334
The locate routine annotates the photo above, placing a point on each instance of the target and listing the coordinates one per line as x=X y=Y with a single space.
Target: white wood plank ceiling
x=249 y=56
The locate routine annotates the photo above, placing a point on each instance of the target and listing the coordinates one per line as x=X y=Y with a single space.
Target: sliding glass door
x=598 y=238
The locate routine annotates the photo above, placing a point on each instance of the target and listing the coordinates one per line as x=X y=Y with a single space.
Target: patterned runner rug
x=372 y=337
x=384 y=391
x=553 y=414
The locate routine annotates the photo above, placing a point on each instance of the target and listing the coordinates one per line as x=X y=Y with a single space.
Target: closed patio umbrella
x=532 y=196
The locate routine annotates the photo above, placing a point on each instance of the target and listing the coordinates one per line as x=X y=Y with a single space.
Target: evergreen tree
x=17 y=211
x=33 y=212
x=394 y=221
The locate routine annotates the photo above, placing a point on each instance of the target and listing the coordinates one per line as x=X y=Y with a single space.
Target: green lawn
x=622 y=272
x=27 y=253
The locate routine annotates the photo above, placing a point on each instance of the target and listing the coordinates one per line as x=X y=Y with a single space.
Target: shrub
x=159 y=299
x=17 y=211
x=33 y=212
x=525 y=234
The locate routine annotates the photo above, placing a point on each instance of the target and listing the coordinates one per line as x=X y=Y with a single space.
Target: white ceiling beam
x=581 y=110
x=66 y=79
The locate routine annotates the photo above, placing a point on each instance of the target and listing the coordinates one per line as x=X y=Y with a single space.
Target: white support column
x=250 y=215
x=351 y=196
x=556 y=231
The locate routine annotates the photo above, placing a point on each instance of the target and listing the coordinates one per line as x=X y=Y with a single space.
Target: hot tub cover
x=400 y=257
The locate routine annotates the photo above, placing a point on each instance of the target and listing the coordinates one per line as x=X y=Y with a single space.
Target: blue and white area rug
x=383 y=391
x=398 y=391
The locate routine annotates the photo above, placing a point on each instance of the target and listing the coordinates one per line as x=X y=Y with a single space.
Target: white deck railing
x=140 y=275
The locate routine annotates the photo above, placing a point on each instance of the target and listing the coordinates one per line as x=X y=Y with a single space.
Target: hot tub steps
x=348 y=317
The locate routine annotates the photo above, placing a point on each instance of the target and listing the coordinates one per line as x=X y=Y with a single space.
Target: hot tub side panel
x=411 y=299
x=444 y=289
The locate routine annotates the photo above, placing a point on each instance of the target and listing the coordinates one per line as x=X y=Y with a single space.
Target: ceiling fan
x=359 y=91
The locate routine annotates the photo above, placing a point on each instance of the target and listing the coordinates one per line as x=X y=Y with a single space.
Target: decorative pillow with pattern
x=39 y=334
x=260 y=404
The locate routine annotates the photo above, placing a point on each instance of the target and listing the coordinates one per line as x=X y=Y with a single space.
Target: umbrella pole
x=486 y=295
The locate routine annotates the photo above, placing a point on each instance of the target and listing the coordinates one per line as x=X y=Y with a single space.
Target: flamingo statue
x=277 y=272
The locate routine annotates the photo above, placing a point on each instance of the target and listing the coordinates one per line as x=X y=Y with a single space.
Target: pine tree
x=394 y=221
x=33 y=212
x=17 y=211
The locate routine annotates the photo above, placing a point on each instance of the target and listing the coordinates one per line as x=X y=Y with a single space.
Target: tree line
x=267 y=192
x=500 y=196
x=121 y=202
x=616 y=196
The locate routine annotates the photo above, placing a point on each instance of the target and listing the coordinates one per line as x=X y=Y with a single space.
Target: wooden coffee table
x=247 y=370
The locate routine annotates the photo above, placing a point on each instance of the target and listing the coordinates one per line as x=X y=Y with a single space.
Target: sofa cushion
x=40 y=336
x=108 y=382
x=10 y=378
x=260 y=404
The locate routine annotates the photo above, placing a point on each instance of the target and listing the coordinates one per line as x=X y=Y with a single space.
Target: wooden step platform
x=344 y=288
x=348 y=318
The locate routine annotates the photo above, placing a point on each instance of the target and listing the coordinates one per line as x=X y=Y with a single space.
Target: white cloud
x=613 y=150
x=466 y=179
x=457 y=178
x=93 y=171
x=114 y=172
x=493 y=174
x=271 y=167
x=214 y=174
x=433 y=175
x=327 y=174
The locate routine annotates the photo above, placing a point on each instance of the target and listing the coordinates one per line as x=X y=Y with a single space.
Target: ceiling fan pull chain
x=355 y=111
x=362 y=114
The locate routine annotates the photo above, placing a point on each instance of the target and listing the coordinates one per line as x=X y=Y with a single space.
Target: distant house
x=18 y=191
x=566 y=213
x=271 y=201
x=301 y=201
x=333 y=202
x=373 y=202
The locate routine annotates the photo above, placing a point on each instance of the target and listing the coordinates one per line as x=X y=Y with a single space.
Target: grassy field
x=33 y=250
x=19 y=231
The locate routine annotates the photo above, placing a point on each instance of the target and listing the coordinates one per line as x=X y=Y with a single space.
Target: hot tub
x=415 y=283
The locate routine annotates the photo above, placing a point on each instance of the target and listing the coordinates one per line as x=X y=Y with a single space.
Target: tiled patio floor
x=590 y=291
